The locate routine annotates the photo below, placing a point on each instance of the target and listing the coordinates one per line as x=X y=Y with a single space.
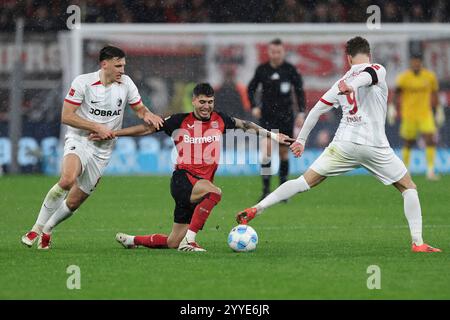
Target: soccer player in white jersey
x=95 y=103
x=360 y=141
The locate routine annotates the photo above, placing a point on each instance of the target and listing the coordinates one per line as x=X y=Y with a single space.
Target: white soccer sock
x=283 y=192
x=190 y=235
x=413 y=214
x=37 y=228
x=59 y=216
x=52 y=202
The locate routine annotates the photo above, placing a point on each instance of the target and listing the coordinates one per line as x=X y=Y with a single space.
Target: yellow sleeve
x=400 y=81
x=434 y=82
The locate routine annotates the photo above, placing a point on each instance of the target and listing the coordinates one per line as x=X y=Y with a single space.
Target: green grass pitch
x=317 y=246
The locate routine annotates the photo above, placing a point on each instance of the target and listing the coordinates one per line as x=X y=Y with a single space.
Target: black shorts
x=181 y=190
x=285 y=125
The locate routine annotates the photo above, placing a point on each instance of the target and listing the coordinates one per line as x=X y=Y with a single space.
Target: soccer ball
x=243 y=238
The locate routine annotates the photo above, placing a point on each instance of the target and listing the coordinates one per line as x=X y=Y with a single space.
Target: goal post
x=217 y=44
x=166 y=60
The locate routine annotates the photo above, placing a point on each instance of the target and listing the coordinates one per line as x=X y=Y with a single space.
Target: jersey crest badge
x=275 y=76
x=285 y=87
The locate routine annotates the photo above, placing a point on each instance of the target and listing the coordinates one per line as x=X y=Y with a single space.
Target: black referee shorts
x=181 y=190
x=285 y=125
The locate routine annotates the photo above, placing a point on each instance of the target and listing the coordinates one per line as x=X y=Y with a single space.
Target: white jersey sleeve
x=134 y=97
x=76 y=92
x=373 y=74
x=311 y=120
x=380 y=72
x=330 y=98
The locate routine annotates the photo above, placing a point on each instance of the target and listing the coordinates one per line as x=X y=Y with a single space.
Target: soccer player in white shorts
x=360 y=141
x=95 y=103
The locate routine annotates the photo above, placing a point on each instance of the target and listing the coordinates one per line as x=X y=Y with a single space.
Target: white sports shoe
x=189 y=246
x=30 y=238
x=126 y=240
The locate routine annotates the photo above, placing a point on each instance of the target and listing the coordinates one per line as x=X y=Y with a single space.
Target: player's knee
x=409 y=143
x=411 y=185
x=67 y=181
x=283 y=152
x=430 y=141
x=408 y=183
x=284 y=156
x=405 y=185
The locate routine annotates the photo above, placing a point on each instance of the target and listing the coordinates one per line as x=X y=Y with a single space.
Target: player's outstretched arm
x=298 y=146
x=149 y=117
x=70 y=118
x=134 y=131
x=249 y=125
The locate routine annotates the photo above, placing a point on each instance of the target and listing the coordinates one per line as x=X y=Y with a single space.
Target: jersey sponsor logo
x=206 y=139
x=353 y=119
x=275 y=76
x=105 y=113
x=71 y=92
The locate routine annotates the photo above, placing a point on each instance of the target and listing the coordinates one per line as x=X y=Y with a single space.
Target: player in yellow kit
x=417 y=89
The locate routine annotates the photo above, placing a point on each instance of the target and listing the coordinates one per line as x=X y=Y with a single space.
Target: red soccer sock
x=156 y=241
x=202 y=211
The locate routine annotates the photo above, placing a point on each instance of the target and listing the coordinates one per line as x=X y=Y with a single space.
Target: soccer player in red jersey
x=197 y=137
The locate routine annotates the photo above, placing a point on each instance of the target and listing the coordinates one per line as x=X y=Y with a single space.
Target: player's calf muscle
x=173 y=243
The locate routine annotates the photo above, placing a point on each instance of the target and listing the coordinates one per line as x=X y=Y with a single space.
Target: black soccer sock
x=284 y=171
x=265 y=168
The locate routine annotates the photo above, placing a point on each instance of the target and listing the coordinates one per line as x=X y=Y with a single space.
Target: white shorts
x=342 y=156
x=92 y=166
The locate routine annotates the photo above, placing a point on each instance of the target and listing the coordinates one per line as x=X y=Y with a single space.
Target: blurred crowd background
x=46 y=15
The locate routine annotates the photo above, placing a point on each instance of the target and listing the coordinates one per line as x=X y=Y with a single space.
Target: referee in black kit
x=278 y=79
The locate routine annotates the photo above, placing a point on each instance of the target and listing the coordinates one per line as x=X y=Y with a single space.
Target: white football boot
x=189 y=246
x=125 y=240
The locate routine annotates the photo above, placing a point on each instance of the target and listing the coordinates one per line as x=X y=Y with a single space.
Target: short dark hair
x=416 y=55
x=203 y=89
x=276 y=42
x=357 y=45
x=110 y=52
